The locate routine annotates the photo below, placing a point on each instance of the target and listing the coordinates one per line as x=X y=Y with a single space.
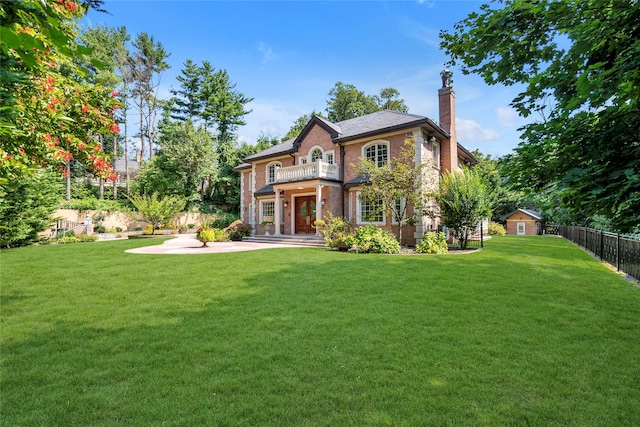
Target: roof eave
x=415 y=123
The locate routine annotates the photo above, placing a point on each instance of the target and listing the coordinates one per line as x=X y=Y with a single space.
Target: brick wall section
x=513 y=220
x=448 y=148
x=317 y=137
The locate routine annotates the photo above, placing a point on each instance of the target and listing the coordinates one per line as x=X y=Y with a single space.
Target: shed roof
x=529 y=212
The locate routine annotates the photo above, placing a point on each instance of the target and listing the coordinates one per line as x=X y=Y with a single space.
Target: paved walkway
x=187 y=244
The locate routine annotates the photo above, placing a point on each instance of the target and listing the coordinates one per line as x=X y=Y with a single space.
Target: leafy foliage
x=157 y=211
x=183 y=165
x=373 y=239
x=579 y=61
x=496 y=229
x=26 y=207
x=337 y=232
x=48 y=106
x=206 y=235
x=398 y=180
x=433 y=243
x=237 y=230
x=463 y=203
x=347 y=102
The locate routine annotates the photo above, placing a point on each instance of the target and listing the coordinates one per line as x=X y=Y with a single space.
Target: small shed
x=524 y=222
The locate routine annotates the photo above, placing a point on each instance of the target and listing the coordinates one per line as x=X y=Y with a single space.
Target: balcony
x=316 y=170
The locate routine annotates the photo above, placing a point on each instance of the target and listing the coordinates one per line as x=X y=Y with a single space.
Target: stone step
x=288 y=240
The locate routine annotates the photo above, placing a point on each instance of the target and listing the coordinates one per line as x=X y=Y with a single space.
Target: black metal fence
x=622 y=252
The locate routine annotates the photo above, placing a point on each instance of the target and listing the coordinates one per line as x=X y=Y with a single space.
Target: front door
x=306 y=215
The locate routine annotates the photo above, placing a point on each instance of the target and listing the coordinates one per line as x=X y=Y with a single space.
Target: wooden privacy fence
x=623 y=252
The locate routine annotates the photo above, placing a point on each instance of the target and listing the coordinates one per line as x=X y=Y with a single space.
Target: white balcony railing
x=318 y=169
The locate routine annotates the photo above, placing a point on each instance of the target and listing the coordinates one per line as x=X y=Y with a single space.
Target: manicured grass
x=529 y=331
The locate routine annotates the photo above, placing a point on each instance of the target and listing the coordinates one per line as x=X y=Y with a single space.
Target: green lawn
x=529 y=331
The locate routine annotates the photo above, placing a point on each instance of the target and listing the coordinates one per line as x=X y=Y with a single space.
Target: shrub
x=220 y=235
x=433 y=243
x=206 y=235
x=223 y=220
x=138 y=228
x=496 y=229
x=182 y=229
x=373 y=239
x=100 y=229
x=191 y=225
x=170 y=225
x=77 y=239
x=118 y=229
x=237 y=230
x=337 y=232
x=148 y=230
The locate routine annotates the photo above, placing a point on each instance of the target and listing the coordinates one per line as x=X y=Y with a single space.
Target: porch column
x=277 y=214
x=318 y=205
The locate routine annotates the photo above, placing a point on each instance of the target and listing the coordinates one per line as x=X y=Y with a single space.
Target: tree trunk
x=68 y=180
x=115 y=161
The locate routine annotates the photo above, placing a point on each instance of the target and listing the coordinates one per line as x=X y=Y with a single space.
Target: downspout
x=342 y=175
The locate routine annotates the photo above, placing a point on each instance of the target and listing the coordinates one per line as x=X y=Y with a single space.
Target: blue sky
x=288 y=55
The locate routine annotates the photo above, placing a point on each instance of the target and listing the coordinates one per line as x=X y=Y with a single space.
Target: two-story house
x=287 y=187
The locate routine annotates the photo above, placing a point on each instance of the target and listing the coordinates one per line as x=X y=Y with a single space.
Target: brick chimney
x=447 y=111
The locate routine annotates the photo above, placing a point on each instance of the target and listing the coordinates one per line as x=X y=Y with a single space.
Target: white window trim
x=330 y=153
x=262 y=203
x=359 y=219
x=435 y=154
x=377 y=142
x=278 y=164
x=315 y=147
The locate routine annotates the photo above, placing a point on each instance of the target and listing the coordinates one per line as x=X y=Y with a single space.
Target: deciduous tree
x=48 y=107
x=463 y=203
x=156 y=210
x=578 y=61
x=398 y=185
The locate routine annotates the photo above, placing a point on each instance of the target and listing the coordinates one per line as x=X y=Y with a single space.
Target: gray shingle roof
x=283 y=148
x=377 y=122
x=119 y=165
x=532 y=214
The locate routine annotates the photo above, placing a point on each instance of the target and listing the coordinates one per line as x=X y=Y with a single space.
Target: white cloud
x=415 y=30
x=470 y=131
x=268 y=119
x=267 y=53
x=506 y=116
x=428 y=4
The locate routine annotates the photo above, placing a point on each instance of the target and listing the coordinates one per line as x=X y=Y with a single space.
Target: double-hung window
x=267 y=211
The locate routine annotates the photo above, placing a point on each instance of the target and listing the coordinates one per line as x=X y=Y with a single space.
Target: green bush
x=77 y=239
x=206 y=235
x=237 y=230
x=148 y=230
x=496 y=229
x=373 y=239
x=92 y=203
x=169 y=225
x=337 y=232
x=100 y=229
x=433 y=243
x=224 y=219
